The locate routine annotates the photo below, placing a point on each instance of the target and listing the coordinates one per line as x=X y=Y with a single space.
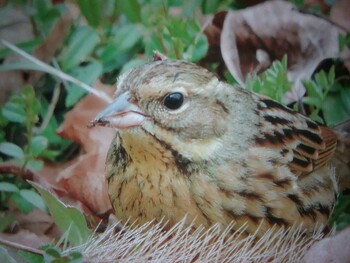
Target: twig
x=60 y=74
x=21 y=247
x=12 y=168
x=51 y=108
x=57 y=66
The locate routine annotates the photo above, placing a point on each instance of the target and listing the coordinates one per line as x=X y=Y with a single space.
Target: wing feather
x=311 y=145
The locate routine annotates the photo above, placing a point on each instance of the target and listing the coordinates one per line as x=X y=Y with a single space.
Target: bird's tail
x=341 y=159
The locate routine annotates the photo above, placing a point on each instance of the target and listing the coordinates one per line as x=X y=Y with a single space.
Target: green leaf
x=52 y=253
x=273 y=82
x=33 y=198
x=67 y=218
x=14 y=112
x=200 y=48
x=131 y=9
x=124 y=39
x=334 y=111
x=210 y=6
x=38 y=144
x=321 y=79
x=81 y=44
x=76 y=257
x=91 y=10
x=313 y=89
x=41 y=7
x=314 y=116
x=153 y=43
x=31 y=106
x=12 y=150
x=35 y=165
x=30 y=257
x=344 y=41
x=50 y=154
x=132 y=63
x=88 y=74
x=21 y=203
x=331 y=75
x=8 y=187
x=345 y=97
x=312 y=101
x=74 y=95
x=6 y=221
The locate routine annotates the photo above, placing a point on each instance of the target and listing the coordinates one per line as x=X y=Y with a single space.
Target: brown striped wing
x=310 y=145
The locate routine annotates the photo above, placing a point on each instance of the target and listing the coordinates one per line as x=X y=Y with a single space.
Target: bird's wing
x=306 y=145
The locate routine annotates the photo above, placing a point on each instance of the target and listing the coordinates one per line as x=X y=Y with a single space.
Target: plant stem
x=21 y=247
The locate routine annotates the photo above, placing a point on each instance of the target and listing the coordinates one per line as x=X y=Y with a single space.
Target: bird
x=189 y=145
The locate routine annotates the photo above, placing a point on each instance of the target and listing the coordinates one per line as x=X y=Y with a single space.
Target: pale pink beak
x=121 y=114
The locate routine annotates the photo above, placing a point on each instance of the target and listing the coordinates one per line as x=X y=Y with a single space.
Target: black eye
x=174 y=100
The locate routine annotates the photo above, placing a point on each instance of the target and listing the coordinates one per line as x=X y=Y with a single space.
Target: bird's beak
x=120 y=114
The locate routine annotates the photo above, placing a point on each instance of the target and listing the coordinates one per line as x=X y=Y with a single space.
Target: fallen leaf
x=254 y=37
x=212 y=28
x=84 y=177
x=37 y=221
x=334 y=249
x=340 y=14
x=27 y=238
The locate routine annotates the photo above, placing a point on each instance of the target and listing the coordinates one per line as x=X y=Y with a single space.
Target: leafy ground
x=269 y=48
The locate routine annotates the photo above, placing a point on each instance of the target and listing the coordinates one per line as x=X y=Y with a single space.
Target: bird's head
x=177 y=102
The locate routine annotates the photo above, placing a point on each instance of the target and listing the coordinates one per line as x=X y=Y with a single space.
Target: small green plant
x=327 y=98
x=341 y=214
x=273 y=82
x=24 y=109
x=317 y=92
x=52 y=254
x=21 y=114
x=344 y=41
x=73 y=225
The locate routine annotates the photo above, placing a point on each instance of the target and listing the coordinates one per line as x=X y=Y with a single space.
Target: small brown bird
x=190 y=145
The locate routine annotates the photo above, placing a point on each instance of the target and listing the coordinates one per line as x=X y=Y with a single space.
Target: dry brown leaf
x=212 y=29
x=253 y=38
x=27 y=238
x=84 y=177
x=37 y=221
x=54 y=41
x=334 y=249
x=340 y=14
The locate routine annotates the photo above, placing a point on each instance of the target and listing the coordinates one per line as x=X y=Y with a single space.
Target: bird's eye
x=174 y=100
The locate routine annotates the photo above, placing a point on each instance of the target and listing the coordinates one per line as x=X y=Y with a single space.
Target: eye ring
x=173 y=101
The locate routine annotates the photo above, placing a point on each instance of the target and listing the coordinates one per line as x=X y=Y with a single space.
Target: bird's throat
x=145 y=151
x=151 y=186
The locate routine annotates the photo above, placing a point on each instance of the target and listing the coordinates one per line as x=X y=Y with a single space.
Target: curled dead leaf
x=334 y=249
x=83 y=178
x=340 y=14
x=27 y=238
x=254 y=37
